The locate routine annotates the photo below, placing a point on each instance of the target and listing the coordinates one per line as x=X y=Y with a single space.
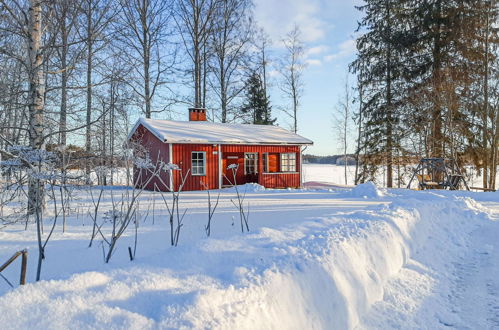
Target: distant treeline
x=333 y=159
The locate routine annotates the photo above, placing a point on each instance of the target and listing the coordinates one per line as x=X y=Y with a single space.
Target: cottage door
x=228 y=176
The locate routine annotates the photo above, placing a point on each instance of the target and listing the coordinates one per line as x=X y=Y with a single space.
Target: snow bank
x=365 y=190
x=246 y=188
x=323 y=272
x=333 y=276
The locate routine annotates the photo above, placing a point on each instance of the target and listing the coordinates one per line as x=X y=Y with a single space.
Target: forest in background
x=427 y=85
x=77 y=74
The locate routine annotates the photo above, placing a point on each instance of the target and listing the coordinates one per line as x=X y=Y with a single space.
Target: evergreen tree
x=257 y=106
x=427 y=72
x=379 y=68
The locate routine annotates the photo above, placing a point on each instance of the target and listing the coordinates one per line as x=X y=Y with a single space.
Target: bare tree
x=291 y=68
x=341 y=125
x=262 y=43
x=144 y=32
x=195 y=21
x=97 y=16
x=360 y=134
x=66 y=19
x=230 y=38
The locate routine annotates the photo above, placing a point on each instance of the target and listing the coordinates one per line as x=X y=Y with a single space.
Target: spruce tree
x=379 y=68
x=428 y=72
x=257 y=108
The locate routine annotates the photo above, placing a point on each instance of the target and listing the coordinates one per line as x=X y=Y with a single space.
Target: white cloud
x=345 y=49
x=316 y=50
x=274 y=73
x=278 y=17
x=312 y=62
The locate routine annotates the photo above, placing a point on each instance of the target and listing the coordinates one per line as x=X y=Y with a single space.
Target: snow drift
x=320 y=273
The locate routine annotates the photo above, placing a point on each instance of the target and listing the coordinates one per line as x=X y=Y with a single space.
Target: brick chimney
x=197 y=114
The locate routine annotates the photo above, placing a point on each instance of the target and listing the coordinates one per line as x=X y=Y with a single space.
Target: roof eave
x=144 y=123
x=239 y=142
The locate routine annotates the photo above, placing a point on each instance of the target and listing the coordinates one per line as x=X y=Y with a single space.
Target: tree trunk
x=359 y=137
x=436 y=134
x=197 y=60
x=88 y=132
x=389 y=119
x=147 y=59
x=64 y=81
x=36 y=116
x=485 y=114
x=205 y=74
x=36 y=98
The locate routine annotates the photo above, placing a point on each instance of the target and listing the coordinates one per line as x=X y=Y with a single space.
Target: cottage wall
x=182 y=157
x=148 y=145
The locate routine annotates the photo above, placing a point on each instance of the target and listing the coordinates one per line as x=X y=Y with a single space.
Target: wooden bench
x=425 y=182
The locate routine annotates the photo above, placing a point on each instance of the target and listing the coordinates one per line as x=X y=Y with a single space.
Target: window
x=265 y=159
x=198 y=165
x=288 y=162
x=250 y=163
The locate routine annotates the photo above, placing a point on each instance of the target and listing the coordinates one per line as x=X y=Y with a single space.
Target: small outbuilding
x=268 y=155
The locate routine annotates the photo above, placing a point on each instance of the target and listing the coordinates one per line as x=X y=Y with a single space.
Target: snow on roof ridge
x=210 y=132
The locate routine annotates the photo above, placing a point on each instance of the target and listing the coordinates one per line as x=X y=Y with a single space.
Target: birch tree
x=195 y=22
x=144 y=37
x=291 y=68
x=65 y=17
x=97 y=16
x=342 y=122
x=230 y=40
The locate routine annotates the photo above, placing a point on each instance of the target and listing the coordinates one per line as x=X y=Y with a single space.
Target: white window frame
x=197 y=166
x=256 y=161
x=286 y=159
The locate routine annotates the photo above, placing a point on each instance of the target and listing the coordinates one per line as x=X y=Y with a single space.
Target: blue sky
x=328 y=28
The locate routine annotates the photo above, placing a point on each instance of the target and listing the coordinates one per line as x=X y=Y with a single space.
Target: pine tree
x=257 y=106
x=379 y=68
x=428 y=72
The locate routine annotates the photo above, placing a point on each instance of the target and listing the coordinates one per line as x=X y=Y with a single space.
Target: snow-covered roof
x=218 y=133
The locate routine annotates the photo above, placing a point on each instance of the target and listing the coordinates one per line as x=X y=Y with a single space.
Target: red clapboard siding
x=148 y=143
x=277 y=180
x=182 y=157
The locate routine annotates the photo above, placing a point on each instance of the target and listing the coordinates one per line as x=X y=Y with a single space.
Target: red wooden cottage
x=268 y=155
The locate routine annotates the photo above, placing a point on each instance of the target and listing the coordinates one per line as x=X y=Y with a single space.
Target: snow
x=366 y=190
x=325 y=175
x=336 y=258
x=218 y=133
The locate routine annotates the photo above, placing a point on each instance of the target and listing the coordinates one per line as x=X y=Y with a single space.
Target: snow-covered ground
x=331 y=258
x=335 y=174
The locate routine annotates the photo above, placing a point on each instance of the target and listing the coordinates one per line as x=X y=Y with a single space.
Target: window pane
x=288 y=162
x=250 y=163
x=198 y=163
